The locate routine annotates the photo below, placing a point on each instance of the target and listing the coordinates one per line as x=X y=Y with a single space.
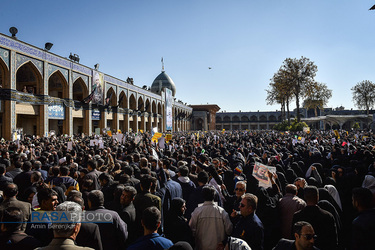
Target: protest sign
x=260 y=172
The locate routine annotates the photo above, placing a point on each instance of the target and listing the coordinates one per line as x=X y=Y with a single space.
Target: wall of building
x=15 y=54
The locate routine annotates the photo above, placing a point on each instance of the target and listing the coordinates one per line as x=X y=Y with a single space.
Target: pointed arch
x=112 y=95
x=29 y=79
x=153 y=107
x=80 y=90
x=4 y=75
x=141 y=104
x=124 y=100
x=148 y=106
x=159 y=111
x=132 y=102
x=58 y=86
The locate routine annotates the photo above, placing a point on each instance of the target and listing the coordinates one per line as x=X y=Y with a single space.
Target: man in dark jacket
x=145 y=199
x=151 y=220
x=4 y=180
x=128 y=213
x=304 y=238
x=93 y=174
x=363 y=226
x=12 y=237
x=322 y=221
x=23 y=180
x=249 y=227
x=10 y=200
x=113 y=234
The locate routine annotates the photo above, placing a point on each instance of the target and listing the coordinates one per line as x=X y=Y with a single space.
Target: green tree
x=280 y=92
x=317 y=96
x=364 y=95
x=299 y=74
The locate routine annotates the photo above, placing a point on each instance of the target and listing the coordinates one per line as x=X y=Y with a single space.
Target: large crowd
x=199 y=190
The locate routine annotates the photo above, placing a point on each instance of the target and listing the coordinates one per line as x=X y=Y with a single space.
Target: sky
x=244 y=42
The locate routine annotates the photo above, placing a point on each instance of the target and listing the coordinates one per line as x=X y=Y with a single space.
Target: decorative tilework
x=13 y=86
x=130 y=86
x=4 y=54
x=108 y=86
x=53 y=68
x=42 y=54
x=83 y=77
x=21 y=59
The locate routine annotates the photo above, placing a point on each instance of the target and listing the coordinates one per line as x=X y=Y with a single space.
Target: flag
x=90 y=96
x=108 y=99
x=336 y=133
x=147 y=106
x=140 y=107
x=119 y=100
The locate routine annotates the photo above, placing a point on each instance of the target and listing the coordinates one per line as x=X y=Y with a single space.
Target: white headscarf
x=369 y=182
x=237 y=244
x=334 y=193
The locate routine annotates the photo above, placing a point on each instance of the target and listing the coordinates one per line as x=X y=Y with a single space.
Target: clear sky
x=243 y=41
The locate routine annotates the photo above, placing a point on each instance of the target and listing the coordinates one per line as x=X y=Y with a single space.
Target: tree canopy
x=364 y=95
x=294 y=78
x=317 y=95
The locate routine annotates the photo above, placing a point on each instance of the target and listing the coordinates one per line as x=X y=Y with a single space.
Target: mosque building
x=43 y=92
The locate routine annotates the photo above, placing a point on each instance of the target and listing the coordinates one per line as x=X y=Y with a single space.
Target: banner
x=56 y=111
x=306 y=130
x=168 y=137
x=95 y=115
x=168 y=109
x=98 y=85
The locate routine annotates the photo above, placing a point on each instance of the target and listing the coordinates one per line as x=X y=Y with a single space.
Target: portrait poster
x=98 y=85
x=260 y=173
x=168 y=110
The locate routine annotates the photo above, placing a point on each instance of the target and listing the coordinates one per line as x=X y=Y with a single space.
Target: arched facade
x=246 y=120
x=42 y=91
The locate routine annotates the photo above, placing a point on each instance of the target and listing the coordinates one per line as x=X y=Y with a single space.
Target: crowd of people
x=199 y=190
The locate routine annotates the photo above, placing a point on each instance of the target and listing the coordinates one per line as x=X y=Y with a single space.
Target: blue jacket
x=151 y=242
x=251 y=230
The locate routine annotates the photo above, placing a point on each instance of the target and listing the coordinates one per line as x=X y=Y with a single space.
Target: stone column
x=42 y=120
x=103 y=118
x=10 y=106
x=115 y=117
x=68 y=122
x=87 y=122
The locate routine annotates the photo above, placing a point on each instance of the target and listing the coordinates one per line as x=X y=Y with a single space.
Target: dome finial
x=162 y=64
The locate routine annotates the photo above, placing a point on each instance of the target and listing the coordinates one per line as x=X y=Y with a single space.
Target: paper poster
x=137 y=139
x=168 y=137
x=168 y=109
x=161 y=142
x=260 y=173
x=294 y=142
x=117 y=137
x=70 y=145
x=97 y=131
